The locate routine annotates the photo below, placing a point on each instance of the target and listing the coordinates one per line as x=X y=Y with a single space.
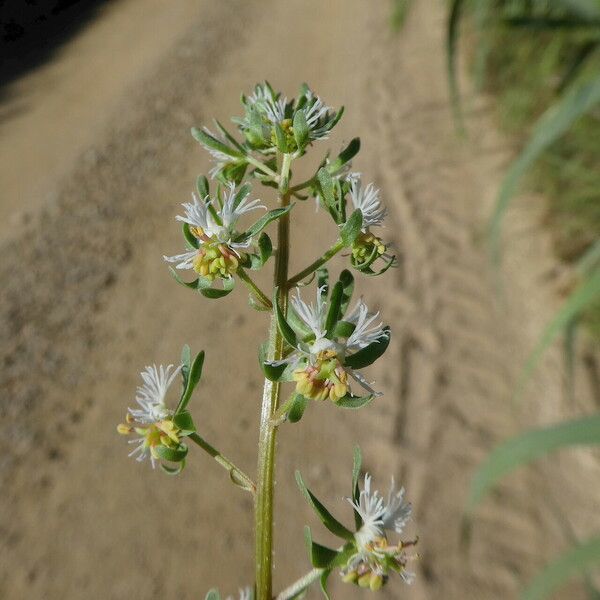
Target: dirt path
x=87 y=302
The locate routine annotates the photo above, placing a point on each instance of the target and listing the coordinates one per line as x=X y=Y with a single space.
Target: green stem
x=300 y=585
x=254 y=288
x=304 y=184
x=316 y=264
x=262 y=167
x=270 y=401
x=237 y=475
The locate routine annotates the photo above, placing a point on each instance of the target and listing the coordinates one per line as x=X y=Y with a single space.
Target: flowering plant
x=319 y=347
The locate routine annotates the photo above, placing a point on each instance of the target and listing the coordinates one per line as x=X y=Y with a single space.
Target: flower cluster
x=160 y=430
x=375 y=557
x=368 y=556
x=328 y=344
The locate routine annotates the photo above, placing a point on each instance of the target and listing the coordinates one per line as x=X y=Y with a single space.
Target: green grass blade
x=587 y=293
x=483 y=10
x=452 y=27
x=590 y=259
x=549 y=128
x=527 y=447
x=399 y=12
x=574 y=561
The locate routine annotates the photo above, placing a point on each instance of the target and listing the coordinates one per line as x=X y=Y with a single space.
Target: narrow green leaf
x=184 y=422
x=326 y=184
x=355 y=488
x=453 y=22
x=212 y=142
x=297 y=409
x=215 y=293
x=202 y=187
x=189 y=284
x=192 y=382
x=323 y=281
x=584 y=296
x=186 y=363
x=354 y=402
x=351 y=228
x=286 y=331
x=191 y=240
x=326 y=517
x=323 y=581
x=575 y=561
x=345 y=156
x=347 y=280
x=320 y=556
x=272 y=373
x=529 y=446
x=368 y=355
x=333 y=314
x=549 y=128
x=242 y=193
x=343 y=329
x=213 y=595
x=300 y=129
x=280 y=138
x=172 y=454
x=272 y=215
x=229 y=137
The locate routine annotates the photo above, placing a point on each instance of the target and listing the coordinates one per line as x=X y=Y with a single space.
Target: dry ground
x=95 y=160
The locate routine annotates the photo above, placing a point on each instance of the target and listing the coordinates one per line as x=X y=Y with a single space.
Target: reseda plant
x=319 y=346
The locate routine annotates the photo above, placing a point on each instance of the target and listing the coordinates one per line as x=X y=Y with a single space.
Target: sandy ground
x=94 y=167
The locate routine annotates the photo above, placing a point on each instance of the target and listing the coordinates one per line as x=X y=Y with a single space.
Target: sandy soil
x=87 y=302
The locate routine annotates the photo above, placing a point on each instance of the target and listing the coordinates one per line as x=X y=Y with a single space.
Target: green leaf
x=351 y=228
x=189 y=284
x=320 y=556
x=186 y=362
x=202 y=187
x=300 y=129
x=172 y=454
x=175 y=469
x=333 y=314
x=355 y=488
x=323 y=281
x=574 y=561
x=229 y=137
x=368 y=355
x=326 y=517
x=354 y=402
x=213 y=595
x=347 y=280
x=529 y=446
x=214 y=293
x=242 y=193
x=190 y=238
x=343 y=329
x=286 y=331
x=345 y=156
x=192 y=382
x=212 y=142
x=272 y=373
x=184 y=422
x=272 y=215
x=550 y=127
x=587 y=294
x=297 y=409
x=323 y=581
x=265 y=250
x=326 y=184
x=280 y=138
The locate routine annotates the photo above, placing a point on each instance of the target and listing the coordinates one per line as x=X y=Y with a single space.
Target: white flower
x=211 y=230
x=263 y=98
x=151 y=395
x=318 y=353
x=366 y=199
x=375 y=555
x=152 y=420
x=314 y=113
x=379 y=516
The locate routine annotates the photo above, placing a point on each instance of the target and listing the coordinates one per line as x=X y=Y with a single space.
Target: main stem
x=270 y=401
